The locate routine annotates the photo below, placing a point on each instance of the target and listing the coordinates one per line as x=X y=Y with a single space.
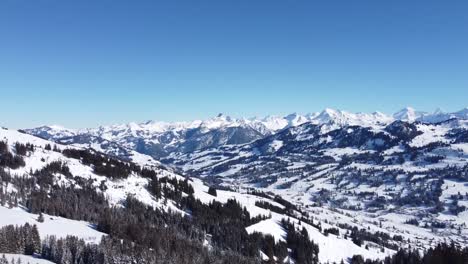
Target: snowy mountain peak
x=296 y=119
x=53 y=131
x=342 y=118
x=408 y=114
x=330 y=111
x=292 y=116
x=462 y=113
x=438 y=111
x=274 y=123
x=328 y=115
x=58 y=127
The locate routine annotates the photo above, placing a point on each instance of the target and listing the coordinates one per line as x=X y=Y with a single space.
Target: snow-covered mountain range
x=159 y=139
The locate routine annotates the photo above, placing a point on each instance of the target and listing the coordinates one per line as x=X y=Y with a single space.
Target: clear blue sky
x=88 y=62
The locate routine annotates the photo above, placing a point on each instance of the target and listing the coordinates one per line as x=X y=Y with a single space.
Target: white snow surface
x=52 y=225
x=25 y=259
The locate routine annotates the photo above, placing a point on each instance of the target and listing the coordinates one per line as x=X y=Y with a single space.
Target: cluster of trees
x=23 y=149
x=20 y=239
x=358 y=236
x=331 y=230
x=45 y=175
x=8 y=159
x=454 y=207
x=71 y=250
x=460 y=135
x=49 y=147
x=212 y=191
x=269 y=206
x=412 y=221
x=82 y=203
x=103 y=165
x=171 y=188
x=442 y=253
x=303 y=250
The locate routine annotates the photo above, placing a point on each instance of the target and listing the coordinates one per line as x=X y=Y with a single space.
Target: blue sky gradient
x=84 y=63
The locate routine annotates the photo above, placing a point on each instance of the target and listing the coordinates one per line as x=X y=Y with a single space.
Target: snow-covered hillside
x=388 y=177
x=135 y=185
x=51 y=226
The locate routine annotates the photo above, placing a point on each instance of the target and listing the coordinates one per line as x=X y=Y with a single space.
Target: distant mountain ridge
x=271 y=122
x=159 y=139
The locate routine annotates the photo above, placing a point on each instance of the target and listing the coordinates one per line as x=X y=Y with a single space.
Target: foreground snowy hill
x=75 y=182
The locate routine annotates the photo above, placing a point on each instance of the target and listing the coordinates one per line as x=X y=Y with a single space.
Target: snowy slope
x=25 y=259
x=327 y=244
x=378 y=177
x=408 y=114
x=117 y=191
x=52 y=225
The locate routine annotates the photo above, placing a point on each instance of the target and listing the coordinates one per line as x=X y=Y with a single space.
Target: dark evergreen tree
x=212 y=191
